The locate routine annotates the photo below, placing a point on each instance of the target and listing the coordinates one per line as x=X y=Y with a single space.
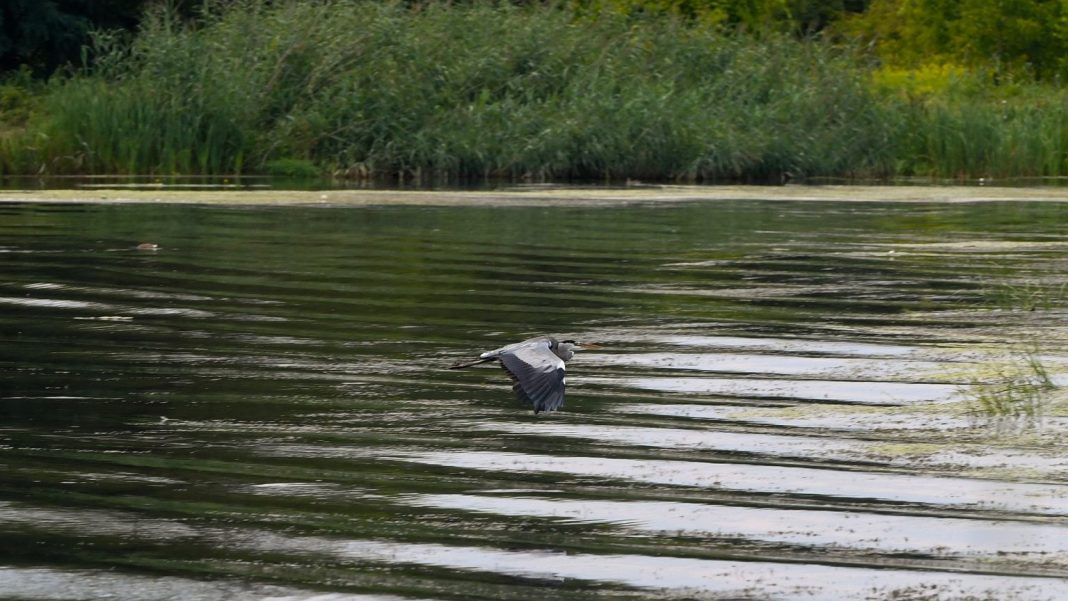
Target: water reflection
x=777 y=364
x=866 y=531
x=261 y=408
x=725 y=579
x=862 y=392
x=48 y=584
x=1016 y=497
x=786 y=345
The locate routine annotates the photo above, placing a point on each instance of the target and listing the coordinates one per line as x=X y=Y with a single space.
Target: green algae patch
x=540 y=195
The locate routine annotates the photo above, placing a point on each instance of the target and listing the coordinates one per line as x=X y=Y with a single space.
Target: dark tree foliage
x=810 y=16
x=47 y=34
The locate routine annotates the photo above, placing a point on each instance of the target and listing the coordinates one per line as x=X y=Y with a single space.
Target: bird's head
x=565 y=349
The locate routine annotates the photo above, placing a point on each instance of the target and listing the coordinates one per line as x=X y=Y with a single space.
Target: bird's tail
x=463 y=364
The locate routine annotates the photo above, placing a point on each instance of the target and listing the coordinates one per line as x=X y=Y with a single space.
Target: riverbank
x=457 y=94
x=545 y=195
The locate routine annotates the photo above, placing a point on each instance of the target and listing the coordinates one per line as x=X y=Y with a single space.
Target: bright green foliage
x=1012 y=36
x=965 y=123
x=753 y=16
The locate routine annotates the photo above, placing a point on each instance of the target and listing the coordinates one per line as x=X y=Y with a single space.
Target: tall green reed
x=987 y=135
x=444 y=92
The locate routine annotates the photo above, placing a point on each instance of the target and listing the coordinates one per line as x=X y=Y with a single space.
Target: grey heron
x=537 y=369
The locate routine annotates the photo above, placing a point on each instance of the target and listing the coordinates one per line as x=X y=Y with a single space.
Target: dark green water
x=259 y=408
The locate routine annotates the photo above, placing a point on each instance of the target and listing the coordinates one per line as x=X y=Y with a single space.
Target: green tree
x=1017 y=36
x=38 y=33
x=753 y=16
x=46 y=34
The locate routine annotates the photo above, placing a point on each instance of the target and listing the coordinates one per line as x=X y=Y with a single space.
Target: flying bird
x=537 y=369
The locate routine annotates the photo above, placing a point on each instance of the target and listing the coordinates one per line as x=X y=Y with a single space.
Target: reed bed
x=448 y=93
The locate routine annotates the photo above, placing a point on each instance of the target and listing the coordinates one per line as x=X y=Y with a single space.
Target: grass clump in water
x=1029 y=296
x=1011 y=394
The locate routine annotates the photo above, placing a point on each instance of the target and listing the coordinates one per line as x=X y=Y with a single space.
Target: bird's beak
x=586 y=345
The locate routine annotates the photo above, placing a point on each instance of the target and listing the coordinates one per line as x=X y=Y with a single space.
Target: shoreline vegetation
x=456 y=93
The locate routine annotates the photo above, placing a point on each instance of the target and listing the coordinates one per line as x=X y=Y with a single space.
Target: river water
x=778 y=406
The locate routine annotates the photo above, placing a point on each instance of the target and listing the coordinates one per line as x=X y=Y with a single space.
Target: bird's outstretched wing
x=538 y=374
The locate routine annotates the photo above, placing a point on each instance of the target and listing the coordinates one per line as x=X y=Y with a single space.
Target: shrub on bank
x=447 y=93
x=461 y=92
